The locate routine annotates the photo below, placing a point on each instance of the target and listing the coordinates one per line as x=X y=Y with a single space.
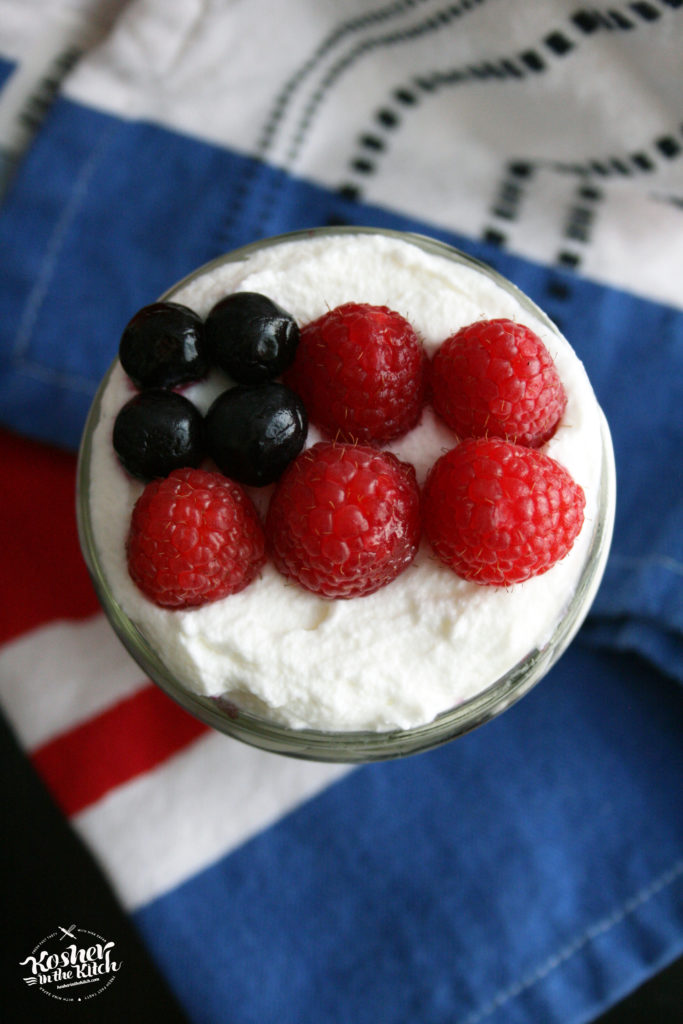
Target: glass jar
x=357 y=746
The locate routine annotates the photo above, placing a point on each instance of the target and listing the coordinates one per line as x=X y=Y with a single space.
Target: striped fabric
x=532 y=871
x=445 y=887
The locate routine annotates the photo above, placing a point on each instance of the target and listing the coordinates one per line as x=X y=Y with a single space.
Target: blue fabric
x=527 y=872
x=6 y=69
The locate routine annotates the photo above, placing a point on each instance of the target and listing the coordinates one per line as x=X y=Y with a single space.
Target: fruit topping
x=360 y=370
x=251 y=338
x=345 y=517
x=496 y=378
x=164 y=345
x=344 y=520
x=254 y=431
x=157 y=431
x=498 y=513
x=194 y=537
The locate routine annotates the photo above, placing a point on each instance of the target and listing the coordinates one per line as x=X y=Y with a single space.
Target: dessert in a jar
x=404 y=474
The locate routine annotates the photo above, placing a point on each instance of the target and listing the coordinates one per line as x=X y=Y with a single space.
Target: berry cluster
x=496 y=510
x=345 y=517
x=252 y=431
x=195 y=535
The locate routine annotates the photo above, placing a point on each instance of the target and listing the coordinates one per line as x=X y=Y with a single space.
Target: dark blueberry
x=158 y=431
x=164 y=345
x=251 y=338
x=254 y=431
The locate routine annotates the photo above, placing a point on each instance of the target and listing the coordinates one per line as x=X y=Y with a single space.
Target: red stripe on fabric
x=126 y=740
x=43 y=575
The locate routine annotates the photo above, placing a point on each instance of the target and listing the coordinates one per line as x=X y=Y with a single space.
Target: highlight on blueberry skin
x=253 y=432
x=163 y=345
x=156 y=432
x=251 y=338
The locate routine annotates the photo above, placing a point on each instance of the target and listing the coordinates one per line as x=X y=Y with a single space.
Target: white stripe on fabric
x=56 y=676
x=45 y=39
x=299 y=92
x=158 y=830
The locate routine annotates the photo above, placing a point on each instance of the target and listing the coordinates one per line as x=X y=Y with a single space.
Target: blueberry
x=254 y=431
x=251 y=337
x=164 y=345
x=158 y=431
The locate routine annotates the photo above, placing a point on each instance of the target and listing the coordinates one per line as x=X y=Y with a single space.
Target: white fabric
x=190 y=65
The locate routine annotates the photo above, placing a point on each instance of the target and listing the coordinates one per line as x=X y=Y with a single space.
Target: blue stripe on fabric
x=6 y=68
x=104 y=215
x=531 y=871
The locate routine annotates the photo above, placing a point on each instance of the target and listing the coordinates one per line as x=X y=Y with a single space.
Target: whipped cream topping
x=426 y=642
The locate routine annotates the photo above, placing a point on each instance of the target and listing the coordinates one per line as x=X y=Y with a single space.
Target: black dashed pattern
x=345 y=30
x=533 y=60
x=587 y=21
x=648 y=12
x=668 y=146
x=388 y=118
x=581 y=214
x=642 y=161
x=620 y=166
x=510 y=193
x=373 y=142
x=341 y=32
x=558 y=43
x=405 y=96
x=620 y=20
x=568 y=259
x=363 y=165
x=558 y=289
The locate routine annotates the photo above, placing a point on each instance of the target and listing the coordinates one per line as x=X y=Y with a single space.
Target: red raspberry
x=496 y=378
x=194 y=537
x=360 y=371
x=498 y=513
x=344 y=519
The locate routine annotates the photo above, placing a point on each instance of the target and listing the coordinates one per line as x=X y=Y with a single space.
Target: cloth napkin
x=531 y=871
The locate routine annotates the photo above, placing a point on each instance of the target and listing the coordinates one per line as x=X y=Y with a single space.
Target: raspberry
x=194 y=537
x=360 y=371
x=344 y=519
x=496 y=378
x=498 y=513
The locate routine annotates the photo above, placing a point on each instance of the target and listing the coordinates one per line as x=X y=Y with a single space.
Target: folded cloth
x=531 y=871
